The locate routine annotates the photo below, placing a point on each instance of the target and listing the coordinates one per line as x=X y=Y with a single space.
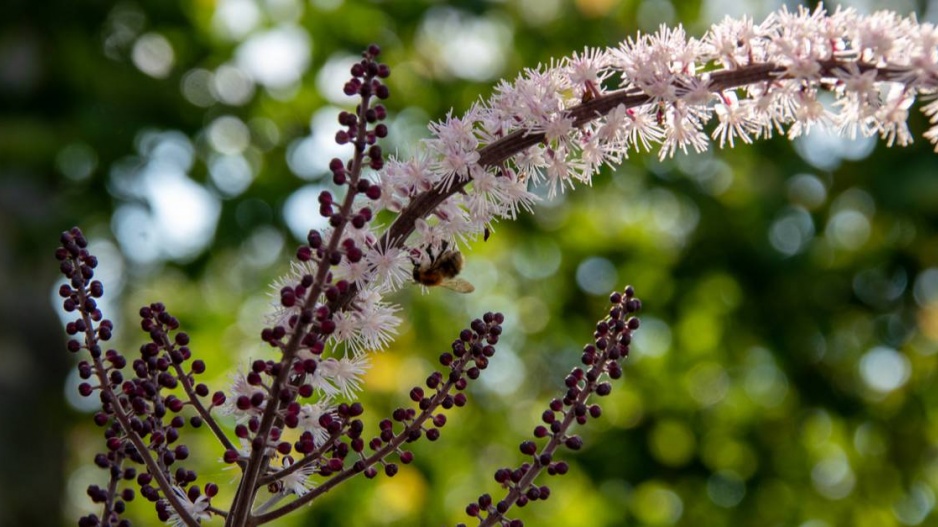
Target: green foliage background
x=747 y=400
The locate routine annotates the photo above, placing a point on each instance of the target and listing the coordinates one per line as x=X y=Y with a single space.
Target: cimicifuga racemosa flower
x=297 y=428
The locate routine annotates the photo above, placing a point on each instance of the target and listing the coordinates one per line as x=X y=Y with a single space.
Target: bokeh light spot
x=77 y=161
x=232 y=86
x=708 y=383
x=721 y=451
x=540 y=12
x=196 y=87
x=832 y=476
x=537 y=259
x=926 y=287
x=276 y=58
x=792 y=231
x=231 y=175
x=826 y=150
x=228 y=135
x=915 y=506
x=534 y=313
x=884 y=369
x=596 y=276
x=332 y=76
x=655 y=504
x=654 y=340
x=672 y=443
x=235 y=19
x=848 y=229
x=153 y=55
x=308 y=157
x=726 y=488
x=398 y=497
x=807 y=191
x=464 y=45
x=765 y=383
x=301 y=212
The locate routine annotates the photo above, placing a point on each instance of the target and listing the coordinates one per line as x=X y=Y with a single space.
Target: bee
x=442 y=270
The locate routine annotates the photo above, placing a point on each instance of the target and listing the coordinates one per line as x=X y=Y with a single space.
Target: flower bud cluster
x=328 y=461
x=334 y=258
x=469 y=355
x=601 y=359
x=142 y=423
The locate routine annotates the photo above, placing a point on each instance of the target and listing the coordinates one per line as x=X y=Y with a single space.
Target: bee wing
x=458 y=284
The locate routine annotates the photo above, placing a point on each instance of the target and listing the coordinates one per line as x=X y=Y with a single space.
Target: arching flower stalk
x=556 y=126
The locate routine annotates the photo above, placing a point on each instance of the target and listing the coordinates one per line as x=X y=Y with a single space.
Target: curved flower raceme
x=558 y=125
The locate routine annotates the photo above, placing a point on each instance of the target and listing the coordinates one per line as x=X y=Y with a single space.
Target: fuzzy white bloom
x=198 y=509
x=345 y=373
x=240 y=387
x=391 y=267
x=297 y=482
x=321 y=383
x=377 y=321
x=309 y=421
x=368 y=326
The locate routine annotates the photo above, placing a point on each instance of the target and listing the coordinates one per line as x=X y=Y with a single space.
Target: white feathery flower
x=731 y=42
x=893 y=117
x=558 y=130
x=391 y=267
x=683 y=130
x=592 y=158
x=357 y=272
x=280 y=314
x=427 y=235
x=198 y=509
x=309 y=421
x=456 y=147
x=297 y=482
x=377 y=323
x=346 y=328
x=734 y=121
x=558 y=172
x=346 y=373
x=320 y=382
x=808 y=112
x=453 y=218
x=240 y=387
x=515 y=196
x=642 y=128
x=589 y=67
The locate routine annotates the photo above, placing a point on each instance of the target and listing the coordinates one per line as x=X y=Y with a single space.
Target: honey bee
x=441 y=270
